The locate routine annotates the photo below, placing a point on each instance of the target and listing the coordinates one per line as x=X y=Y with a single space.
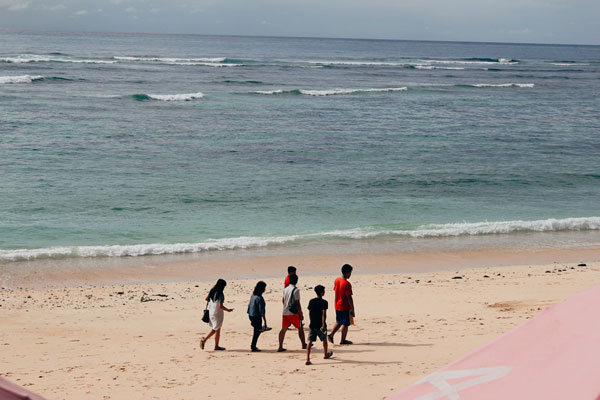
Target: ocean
x=137 y=144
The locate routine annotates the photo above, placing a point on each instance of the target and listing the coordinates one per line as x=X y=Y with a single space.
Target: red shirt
x=286 y=282
x=343 y=290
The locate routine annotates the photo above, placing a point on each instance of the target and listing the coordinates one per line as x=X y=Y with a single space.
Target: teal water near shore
x=135 y=144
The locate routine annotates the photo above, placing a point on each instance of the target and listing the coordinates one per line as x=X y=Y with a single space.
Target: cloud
x=154 y=10
x=81 y=12
x=14 y=5
x=130 y=9
x=56 y=7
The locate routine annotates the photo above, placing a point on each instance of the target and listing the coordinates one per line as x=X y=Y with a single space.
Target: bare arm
x=225 y=308
x=352 y=312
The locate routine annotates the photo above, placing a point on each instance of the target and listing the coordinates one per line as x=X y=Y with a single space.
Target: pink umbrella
x=555 y=355
x=10 y=391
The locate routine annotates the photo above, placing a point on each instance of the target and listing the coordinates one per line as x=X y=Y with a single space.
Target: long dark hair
x=259 y=289
x=217 y=290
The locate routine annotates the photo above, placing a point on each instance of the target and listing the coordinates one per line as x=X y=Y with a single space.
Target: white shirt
x=287 y=296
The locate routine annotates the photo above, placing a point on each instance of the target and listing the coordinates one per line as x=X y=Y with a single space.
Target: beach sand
x=65 y=339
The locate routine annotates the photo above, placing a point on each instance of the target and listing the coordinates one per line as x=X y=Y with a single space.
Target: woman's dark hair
x=291 y=269
x=217 y=290
x=259 y=288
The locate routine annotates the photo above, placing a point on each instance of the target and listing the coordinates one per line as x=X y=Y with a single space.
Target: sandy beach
x=93 y=340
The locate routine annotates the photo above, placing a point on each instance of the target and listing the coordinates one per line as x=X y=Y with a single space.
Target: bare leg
x=281 y=337
x=217 y=338
x=209 y=335
x=334 y=330
x=308 y=353
x=325 y=348
x=301 y=336
x=344 y=333
x=204 y=339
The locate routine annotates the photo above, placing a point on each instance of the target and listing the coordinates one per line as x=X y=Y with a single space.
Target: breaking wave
x=500 y=85
x=475 y=61
x=20 y=79
x=329 y=92
x=418 y=66
x=202 y=61
x=360 y=63
x=33 y=58
x=169 y=97
x=245 y=242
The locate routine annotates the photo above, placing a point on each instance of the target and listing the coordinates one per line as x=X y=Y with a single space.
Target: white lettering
x=445 y=389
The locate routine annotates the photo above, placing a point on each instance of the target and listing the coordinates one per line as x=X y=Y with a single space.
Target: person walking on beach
x=291 y=271
x=216 y=298
x=344 y=305
x=292 y=312
x=317 y=310
x=256 y=312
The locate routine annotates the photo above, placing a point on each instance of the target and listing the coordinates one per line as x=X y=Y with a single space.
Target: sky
x=517 y=21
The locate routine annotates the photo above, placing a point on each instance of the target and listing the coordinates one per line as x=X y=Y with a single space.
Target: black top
x=316 y=307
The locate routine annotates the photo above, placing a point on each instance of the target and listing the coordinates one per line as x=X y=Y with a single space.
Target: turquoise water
x=125 y=144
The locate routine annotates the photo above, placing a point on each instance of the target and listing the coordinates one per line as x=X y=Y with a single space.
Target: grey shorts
x=313 y=334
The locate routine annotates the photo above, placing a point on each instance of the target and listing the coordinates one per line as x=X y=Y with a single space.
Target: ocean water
x=135 y=144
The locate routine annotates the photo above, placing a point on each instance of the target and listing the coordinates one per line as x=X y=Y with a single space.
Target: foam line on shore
x=246 y=242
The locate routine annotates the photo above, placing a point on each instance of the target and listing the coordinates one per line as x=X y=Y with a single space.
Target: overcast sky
x=532 y=21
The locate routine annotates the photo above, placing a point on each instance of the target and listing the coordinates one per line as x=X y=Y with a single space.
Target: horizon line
x=19 y=30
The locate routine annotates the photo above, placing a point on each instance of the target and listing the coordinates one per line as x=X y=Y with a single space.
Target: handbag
x=206 y=317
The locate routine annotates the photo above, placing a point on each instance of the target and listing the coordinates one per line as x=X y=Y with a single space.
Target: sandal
x=308 y=363
x=202 y=342
x=329 y=355
x=281 y=350
x=345 y=342
x=330 y=338
x=219 y=348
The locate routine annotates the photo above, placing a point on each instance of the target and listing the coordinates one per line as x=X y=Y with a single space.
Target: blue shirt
x=256 y=307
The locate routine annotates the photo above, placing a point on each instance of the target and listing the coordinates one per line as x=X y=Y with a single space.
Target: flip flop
x=308 y=363
x=345 y=342
x=281 y=350
x=329 y=355
x=202 y=342
x=219 y=348
x=330 y=338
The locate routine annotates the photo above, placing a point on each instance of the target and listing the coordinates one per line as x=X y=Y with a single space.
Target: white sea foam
x=32 y=58
x=348 y=91
x=519 y=85
x=171 y=59
x=419 y=66
x=267 y=92
x=176 y=97
x=20 y=79
x=569 y=64
x=206 y=61
x=503 y=61
x=361 y=63
x=245 y=242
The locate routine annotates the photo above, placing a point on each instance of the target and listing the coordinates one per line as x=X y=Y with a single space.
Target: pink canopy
x=10 y=391
x=555 y=355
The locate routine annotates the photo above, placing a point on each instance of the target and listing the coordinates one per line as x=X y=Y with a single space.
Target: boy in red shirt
x=344 y=306
x=291 y=271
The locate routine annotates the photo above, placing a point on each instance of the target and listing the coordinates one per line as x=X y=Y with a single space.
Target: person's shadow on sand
x=391 y=344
